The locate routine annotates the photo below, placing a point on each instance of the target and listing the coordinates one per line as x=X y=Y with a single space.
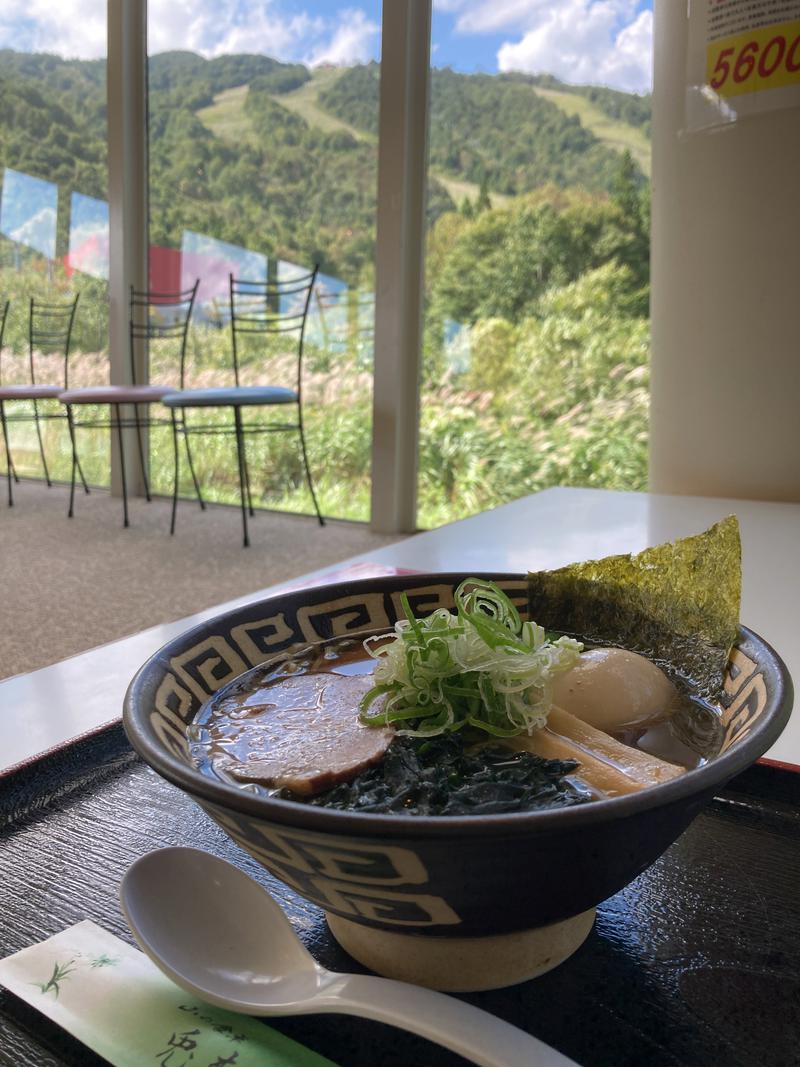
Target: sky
x=601 y=42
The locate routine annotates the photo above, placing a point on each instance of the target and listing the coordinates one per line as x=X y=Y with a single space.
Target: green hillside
x=537 y=271
x=249 y=171
x=282 y=159
x=618 y=135
x=226 y=117
x=304 y=101
x=486 y=130
x=52 y=119
x=632 y=109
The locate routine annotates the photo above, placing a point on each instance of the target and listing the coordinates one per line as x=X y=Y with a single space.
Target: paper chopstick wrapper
x=115 y=1001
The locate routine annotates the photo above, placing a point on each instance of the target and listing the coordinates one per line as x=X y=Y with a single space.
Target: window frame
x=400 y=238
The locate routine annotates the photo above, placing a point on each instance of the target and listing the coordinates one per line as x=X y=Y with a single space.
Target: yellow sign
x=750 y=62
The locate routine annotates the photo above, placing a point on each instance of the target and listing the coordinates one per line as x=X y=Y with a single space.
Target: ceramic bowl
x=457 y=903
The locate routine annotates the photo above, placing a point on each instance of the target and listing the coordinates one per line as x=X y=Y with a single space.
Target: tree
x=483 y=203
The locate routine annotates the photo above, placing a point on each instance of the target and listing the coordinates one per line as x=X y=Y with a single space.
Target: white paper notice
x=743 y=59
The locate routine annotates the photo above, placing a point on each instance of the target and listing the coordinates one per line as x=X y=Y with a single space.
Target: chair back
x=50 y=331
x=3 y=317
x=158 y=315
x=271 y=307
x=346 y=321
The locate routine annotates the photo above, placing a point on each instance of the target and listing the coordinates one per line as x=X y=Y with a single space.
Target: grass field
x=617 y=135
x=305 y=103
x=226 y=117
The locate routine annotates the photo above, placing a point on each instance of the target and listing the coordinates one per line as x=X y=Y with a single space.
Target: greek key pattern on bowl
x=745 y=698
x=358 y=880
x=198 y=672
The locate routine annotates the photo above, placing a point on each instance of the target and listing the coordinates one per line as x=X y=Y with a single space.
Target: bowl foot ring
x=463 y=964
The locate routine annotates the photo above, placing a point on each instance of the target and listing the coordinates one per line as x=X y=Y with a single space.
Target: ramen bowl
x=454 y=902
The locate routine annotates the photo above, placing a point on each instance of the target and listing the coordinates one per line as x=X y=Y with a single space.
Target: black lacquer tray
x=696 y=962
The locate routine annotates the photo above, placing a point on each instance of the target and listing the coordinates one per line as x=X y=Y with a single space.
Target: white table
x=48 y=707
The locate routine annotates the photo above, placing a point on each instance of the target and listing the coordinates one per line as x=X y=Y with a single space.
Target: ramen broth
x=302 y=717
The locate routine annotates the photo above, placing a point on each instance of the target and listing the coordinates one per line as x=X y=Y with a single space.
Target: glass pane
x=54 y=226
x=253 y=174
x=537 y=276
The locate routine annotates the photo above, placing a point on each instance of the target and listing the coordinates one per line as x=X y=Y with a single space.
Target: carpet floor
x=67 y=585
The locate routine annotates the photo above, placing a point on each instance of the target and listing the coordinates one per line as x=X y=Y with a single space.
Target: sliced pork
x=302 y=734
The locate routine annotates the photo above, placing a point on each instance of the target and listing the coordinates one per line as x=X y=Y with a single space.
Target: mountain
x=535 y=342
x=499 y=131
x=284 y=160
x=632 y=108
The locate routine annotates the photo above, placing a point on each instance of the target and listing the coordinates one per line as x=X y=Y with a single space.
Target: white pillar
x=725 y=407
x=402 y=181
x=127 y=202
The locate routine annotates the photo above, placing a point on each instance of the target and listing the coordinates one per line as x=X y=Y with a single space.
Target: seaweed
x=677 y=603
x=443 y=776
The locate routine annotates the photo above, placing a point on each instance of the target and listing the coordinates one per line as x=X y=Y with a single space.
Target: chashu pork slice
x=307 y=736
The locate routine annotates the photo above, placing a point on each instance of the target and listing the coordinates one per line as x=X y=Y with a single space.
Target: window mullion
x=127 y=202
x=399 y=262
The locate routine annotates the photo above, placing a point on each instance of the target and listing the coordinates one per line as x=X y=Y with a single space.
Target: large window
x=54 y=224
x=253 y=174
x=535 y=359
x=264 y=128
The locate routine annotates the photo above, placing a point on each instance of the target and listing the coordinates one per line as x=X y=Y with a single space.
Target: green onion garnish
x=481 y=667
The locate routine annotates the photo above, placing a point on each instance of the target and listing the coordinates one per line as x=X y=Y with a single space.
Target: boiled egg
x=614 y=689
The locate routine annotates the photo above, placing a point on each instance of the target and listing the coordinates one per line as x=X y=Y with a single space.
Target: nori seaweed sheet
x=677 y=603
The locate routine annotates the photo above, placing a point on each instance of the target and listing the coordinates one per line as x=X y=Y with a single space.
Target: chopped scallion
x=481 y=667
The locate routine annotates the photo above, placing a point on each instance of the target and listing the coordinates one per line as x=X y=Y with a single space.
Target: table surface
x=694 y=963
x=47 y=708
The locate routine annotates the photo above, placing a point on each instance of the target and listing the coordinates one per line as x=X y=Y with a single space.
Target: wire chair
x=153 y=315
x=49 y=330
x=347 y=319
x=255 y=309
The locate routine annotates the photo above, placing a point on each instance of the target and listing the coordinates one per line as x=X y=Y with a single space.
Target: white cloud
x=607 y=42
x=586 y=41
x=600 y=41
x=480 y=16
x=213 y=29
x=634 y=52
x=285 y=31
x=39 y=232
x=351 y=41
x=71 y=28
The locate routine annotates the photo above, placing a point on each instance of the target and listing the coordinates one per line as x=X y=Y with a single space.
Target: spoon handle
x=473 y=1033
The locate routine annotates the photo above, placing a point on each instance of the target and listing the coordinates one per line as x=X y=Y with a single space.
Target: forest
x=537 y=273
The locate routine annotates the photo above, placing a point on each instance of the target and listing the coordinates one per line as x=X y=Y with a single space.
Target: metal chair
x=49 y=330
x=347 y=321
x=153 y=315
x=255 y=309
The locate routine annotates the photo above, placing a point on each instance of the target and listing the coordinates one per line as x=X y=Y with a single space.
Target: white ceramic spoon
x=221 y=937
